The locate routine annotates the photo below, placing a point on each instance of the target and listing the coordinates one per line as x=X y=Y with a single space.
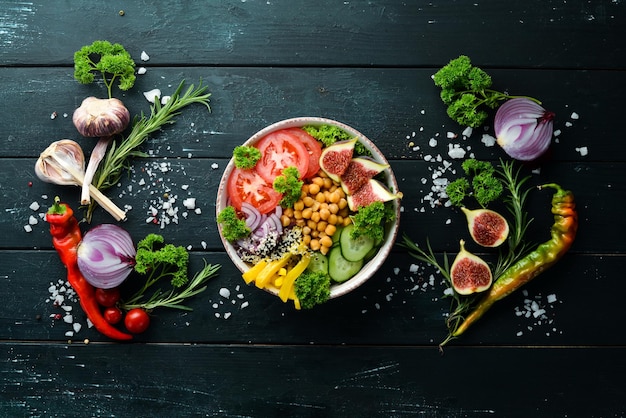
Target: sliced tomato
x=314 y=148
x=280 y=150
x=249 y=186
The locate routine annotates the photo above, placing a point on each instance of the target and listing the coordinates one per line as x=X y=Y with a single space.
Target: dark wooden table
x=370 y=353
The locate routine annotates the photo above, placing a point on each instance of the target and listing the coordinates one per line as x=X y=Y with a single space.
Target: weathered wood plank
x=233 y=381
x=573 y=34
x=595 y=186
x=400 y=305
x=399 y=109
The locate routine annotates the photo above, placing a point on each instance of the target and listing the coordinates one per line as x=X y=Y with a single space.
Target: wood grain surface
x=374 y=352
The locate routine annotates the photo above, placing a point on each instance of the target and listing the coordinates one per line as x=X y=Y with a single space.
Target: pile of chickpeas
x=320 y=211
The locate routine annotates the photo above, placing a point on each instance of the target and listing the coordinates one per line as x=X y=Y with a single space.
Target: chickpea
x=328 y=183
x=306 y=213
x=330 y=230
x=306 y=230
x=324 y=250
x=321 y=226
x=333 y=219
x=315 y=217
x=314 y=244
x=285 y=220
x=313 y=189
x=319 y=181
x=343 y=203
x=308 y=201
x=298 y=206
x=306 y=240
x=320 y=197
x=324 y=214
x=326 y=241
x=333 y=208
x=297 y=214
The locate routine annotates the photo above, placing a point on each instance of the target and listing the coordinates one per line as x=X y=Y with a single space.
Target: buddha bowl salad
x=307 y=208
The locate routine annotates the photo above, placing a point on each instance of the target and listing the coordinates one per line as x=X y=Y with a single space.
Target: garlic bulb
x=101 y=117
x=63 y=163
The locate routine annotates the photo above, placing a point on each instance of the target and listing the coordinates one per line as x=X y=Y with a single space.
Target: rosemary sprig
x=175 y=296
x=116 y=159
x=515 y=202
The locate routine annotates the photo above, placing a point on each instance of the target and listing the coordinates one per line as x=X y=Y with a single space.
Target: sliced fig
x=336 y=158
x=359 y=171
x=469 y=273
x=370 y=192
x=487 y=227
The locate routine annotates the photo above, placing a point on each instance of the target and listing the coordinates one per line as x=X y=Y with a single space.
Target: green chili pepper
x=563 y=232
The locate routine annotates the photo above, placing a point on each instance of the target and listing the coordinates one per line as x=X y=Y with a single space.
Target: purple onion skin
x=106 y=256
x=523 y=129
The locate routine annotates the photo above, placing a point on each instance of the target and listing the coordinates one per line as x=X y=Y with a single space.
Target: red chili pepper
x=66 y=236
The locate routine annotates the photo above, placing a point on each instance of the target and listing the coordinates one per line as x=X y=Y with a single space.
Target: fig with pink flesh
x=469 y=273
x=359 y=171
x=487 y=227
x=336 y=158
x=370 y=192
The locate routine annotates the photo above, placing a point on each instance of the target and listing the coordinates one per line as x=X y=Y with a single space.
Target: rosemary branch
x=175 y=296
x=116 y=158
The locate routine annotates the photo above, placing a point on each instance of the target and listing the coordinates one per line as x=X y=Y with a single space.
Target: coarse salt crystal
x=190 y=203
x=225 y=293
x=583 y=151
x=574 y=115
x=144 y=56
x=28 y=228
x=451 y=135
x=467 y=132
x=141 y=70
x=454 y=151
x=34 y=206
x=488 y=140
x=551 y=298
x=215 y=166
x=432 y=142
x=152 y=95
x=244 y=305
x=76 y=326
x=165 y=99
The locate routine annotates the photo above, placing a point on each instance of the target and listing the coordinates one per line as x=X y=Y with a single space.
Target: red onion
x=253 y=217
x=523 y=128
x=106 y=256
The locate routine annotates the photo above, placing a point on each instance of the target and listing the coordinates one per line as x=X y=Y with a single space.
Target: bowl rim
x=371 y=267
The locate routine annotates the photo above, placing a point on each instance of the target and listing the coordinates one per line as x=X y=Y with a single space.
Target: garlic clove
x=59 y=163
x=101 y=117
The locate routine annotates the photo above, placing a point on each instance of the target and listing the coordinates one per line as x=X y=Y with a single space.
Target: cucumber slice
x=318 y=263
x=340 y=269
x=354 y=249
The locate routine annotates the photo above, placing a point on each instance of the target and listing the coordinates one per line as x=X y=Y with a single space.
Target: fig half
x=487 y=227
x=469 y=273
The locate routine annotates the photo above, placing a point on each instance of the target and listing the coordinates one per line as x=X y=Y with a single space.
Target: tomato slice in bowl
x=249 y=186
x=314 y=148
x=280 y=150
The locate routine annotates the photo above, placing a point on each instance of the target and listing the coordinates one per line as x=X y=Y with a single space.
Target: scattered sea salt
x=34 y=206
x=225 y=293
x=144 y=56
x=574 y=116
x=583 y=151
x=141 y=70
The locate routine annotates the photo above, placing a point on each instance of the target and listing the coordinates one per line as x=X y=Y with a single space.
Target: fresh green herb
x=112 y=61
x=515 y=201
x=158 y=260
x=486 y=186
x=246 y=157
x=290 y=185
x=370 y=221
x=312 y=288
x=465 y=89
x=329 y=134
x=233 y=228
x=175 y=296
x=116 y=160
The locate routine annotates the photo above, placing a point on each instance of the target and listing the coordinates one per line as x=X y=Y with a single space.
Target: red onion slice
x=106 y=256
x=523 y=128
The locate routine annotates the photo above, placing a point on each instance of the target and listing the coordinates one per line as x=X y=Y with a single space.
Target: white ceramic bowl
x=370 y=268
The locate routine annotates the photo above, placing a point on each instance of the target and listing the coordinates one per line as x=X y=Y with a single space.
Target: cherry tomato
x=107 y=297
x=113 y=315
x=249 y=186
x=279 y=151
x=137 y=321
x=313 y=146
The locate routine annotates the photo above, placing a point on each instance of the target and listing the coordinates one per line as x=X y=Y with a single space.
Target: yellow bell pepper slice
x=251 y=274
x=270 y=270
x=290 y=278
